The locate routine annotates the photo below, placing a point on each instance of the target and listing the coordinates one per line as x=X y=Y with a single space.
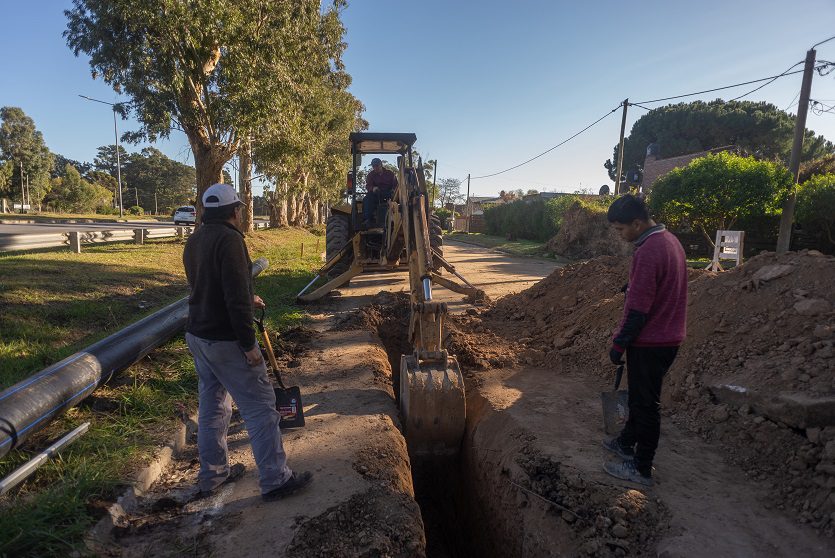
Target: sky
x=485 y=84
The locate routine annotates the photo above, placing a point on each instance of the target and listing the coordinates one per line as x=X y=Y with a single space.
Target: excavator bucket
x=432 y=405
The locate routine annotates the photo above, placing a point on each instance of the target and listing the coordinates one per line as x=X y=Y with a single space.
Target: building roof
x=655 y=168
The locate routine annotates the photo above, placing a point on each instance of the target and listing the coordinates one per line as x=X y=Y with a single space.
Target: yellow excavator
x=403 y=233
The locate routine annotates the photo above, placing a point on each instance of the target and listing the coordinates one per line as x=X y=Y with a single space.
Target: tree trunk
x=245 y=184
x=313 y=211
x=292 y=210
x=301 y=204
x=209 y=166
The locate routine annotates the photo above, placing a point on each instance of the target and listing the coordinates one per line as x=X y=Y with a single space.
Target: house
x=655 y=167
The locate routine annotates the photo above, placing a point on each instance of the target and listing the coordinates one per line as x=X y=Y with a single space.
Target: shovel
x=615 y=406
x=288 y=401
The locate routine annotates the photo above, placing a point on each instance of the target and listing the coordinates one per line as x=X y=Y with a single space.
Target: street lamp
x=118 y=162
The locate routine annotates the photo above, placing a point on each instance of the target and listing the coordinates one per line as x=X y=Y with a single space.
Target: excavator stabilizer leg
x=432 y=405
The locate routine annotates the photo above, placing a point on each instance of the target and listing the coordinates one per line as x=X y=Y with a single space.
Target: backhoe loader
x=404 y=233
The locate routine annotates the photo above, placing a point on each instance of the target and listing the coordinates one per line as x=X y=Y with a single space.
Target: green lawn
x=514 y=247
x=55 y=303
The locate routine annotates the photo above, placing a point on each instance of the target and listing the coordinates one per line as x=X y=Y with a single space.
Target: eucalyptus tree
x=215 y=69
x=27 y=160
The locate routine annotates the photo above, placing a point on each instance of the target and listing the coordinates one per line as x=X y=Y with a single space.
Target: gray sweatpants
x=222 y=371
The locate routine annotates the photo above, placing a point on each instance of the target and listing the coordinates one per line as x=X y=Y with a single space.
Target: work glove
x=616 y=355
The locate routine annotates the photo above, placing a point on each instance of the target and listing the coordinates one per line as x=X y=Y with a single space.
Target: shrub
x=536 y=219
x=136 y=210
x=715 y=192
x=816 y=206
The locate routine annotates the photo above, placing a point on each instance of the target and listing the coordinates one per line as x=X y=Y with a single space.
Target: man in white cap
x=221 y=338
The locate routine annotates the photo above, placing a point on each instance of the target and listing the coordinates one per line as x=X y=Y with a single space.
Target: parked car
x=185 y=215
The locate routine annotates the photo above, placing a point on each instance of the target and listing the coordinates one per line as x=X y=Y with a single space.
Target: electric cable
x=720 y=88
x=551 y=148
x=825 y=41
x=768 y=82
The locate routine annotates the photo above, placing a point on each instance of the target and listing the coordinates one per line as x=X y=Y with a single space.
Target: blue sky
x=484 y=84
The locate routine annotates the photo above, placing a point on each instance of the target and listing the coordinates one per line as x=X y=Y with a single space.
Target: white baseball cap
x=220 y=195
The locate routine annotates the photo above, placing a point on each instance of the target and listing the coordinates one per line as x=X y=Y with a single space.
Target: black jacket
x=219 y=274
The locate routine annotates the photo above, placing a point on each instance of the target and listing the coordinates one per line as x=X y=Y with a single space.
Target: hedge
x=536 y=219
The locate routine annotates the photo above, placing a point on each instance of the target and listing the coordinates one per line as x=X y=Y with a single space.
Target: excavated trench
x=438 y=482
x=501 y=496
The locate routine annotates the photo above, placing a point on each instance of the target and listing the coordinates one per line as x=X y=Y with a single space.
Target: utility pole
x=22 y=191
x=156 y=206
x=784 y=239
x=118 y=161
x=469 y=207
x=620 y=147
x=434 y=182
x=136 y=191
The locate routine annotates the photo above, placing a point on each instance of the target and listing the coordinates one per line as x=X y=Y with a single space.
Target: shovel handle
x=618 y=376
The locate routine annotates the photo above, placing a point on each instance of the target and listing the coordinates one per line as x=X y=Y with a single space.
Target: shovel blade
x=615 y=410
x=288 y=403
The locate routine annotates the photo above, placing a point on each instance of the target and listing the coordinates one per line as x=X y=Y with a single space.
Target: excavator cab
x=431 y=387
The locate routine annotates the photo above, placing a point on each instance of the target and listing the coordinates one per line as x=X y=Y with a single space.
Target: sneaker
x=296 y=482
x=625 y=470
x=614 y=446
x=236 y=471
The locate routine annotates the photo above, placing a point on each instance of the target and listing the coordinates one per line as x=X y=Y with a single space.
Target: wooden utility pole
x=156 y=205
x=136 y=191
x=620 y=147
x=469 y=207
x=784 y=239
x=434 y=182
x=22 y=192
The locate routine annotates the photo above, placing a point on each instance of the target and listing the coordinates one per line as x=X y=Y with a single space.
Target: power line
x=551 y=148
x=768 y=82
x=791 y=103
x=641 y=106
x=825 y=41
x=720 y=88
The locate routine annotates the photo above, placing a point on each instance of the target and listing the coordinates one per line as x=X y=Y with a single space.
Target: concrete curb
x=99 y=538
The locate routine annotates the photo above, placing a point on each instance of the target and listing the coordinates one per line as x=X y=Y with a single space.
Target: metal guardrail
x=75 y=240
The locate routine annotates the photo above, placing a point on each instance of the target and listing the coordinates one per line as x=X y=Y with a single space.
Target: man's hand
x=616 y=355
x=253 y=356
x=258 y=302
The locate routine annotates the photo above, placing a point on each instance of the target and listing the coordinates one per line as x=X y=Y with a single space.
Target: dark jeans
x=370 y=203
x=646 y=367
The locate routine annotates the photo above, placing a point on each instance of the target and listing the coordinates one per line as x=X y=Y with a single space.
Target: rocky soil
x=766 y=328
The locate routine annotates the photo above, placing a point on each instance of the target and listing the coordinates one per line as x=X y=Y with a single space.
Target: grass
x=85 y=297
x=514 y=247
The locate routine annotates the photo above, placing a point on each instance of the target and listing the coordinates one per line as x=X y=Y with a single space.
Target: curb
x=99 y=538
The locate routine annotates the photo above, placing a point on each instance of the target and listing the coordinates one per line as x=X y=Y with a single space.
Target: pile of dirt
x=586 y=233
x=766 y=327
x=606 y=520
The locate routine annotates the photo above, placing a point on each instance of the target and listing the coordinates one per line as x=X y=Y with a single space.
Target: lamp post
x=118 y=161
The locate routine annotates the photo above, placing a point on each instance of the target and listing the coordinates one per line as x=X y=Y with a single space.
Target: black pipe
x=29 y=405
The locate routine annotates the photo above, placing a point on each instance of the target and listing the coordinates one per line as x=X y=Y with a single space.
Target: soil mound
x=756 y=372
x=585 y=233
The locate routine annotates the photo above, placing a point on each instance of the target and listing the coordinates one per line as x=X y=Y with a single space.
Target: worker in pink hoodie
x=650 y=333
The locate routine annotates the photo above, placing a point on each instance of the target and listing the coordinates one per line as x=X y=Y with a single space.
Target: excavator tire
x=337 y=235
x=436 y=239
x=432 y=406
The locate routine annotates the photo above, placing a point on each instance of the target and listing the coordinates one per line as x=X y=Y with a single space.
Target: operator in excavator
x=379 y=185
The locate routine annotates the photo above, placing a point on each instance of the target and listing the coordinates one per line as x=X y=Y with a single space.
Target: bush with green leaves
x=136 y=210
x=715 y=192
x=536 y=219
x=816 y=206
